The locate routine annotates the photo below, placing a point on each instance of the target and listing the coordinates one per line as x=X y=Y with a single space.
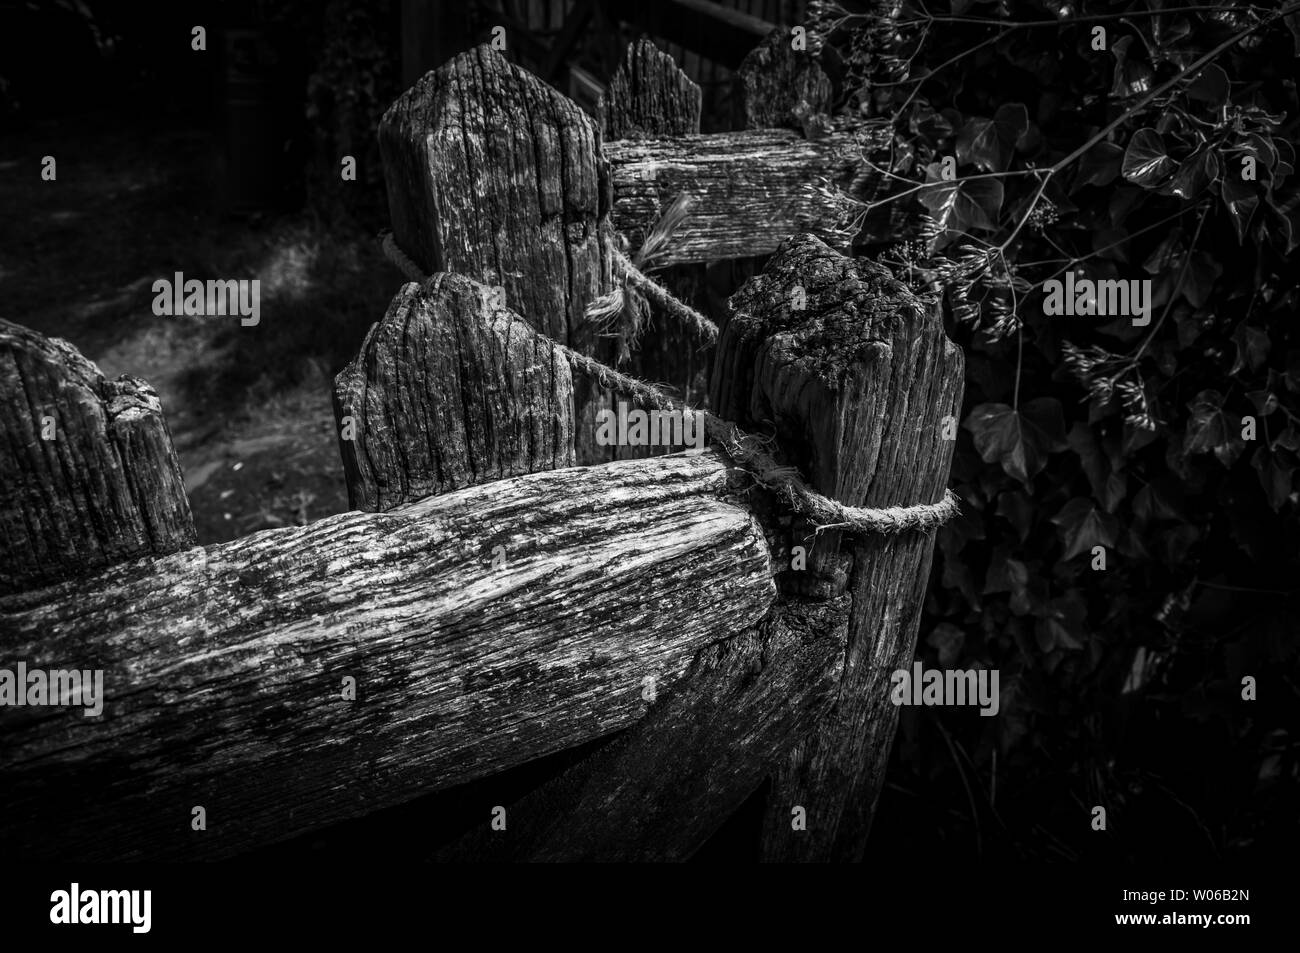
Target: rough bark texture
x=855 y=375
x=753 y=189
x=450 y=390
x=772 y=81
x=105 y=486
x=857 y=384
x=649 y=97
x=494 y=175
x=224 y=667
x=659 y=791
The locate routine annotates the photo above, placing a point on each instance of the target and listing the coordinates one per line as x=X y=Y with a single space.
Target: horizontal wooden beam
x=483 y=628
x=659 y=790
x=753 y=189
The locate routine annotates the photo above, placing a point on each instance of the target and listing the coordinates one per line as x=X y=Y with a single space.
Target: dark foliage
x=1161 y=149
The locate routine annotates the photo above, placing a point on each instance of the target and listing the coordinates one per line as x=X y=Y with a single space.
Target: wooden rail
x=489 y=602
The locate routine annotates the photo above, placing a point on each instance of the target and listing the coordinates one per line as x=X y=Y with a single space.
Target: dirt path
x=249 y=408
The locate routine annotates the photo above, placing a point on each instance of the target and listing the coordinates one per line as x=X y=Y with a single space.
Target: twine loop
x=745 y=450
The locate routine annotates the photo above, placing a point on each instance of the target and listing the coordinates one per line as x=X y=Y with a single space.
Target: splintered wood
x=483 y=628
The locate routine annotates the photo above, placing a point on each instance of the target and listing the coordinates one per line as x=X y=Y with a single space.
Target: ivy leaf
x=1082 y=525
x=1276 y=474
x=1027 y=589
x=1195 y=174
x=1210 y=87
x=1211 y=428
x=990 y=143
x=1177 y=542
x=1019 y=440
x=959 y=206
x=1201 y=276
x=1167 y=256
x=1252 y=347
x=1062 y=624
x=1131 y=76
x=1146 y=160
x=1017 y=509
x=1265 y=402
x=1096 y=466
x=978 y=143
x=1288 y=212
x=1099 y=165
x=1285 y=160
x=932 y=126
x=1262 y=149
x=1158 y=500
x=1241 y=200
x=1291 y=376
x=1012 y=121
x=948 y=639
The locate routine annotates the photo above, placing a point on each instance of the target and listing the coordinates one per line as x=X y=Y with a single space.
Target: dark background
x=1120 y=688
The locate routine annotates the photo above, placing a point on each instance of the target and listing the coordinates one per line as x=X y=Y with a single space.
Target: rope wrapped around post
x=745 y=450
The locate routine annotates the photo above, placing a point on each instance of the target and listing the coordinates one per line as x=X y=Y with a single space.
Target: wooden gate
x=504 y=590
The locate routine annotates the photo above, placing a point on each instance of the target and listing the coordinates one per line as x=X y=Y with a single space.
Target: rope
x=637 y=284
x=403 y=261
x=744 y=449
x=656 y=293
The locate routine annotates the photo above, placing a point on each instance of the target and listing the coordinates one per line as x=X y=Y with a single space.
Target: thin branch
x=1067 y=21
x=1182 y=275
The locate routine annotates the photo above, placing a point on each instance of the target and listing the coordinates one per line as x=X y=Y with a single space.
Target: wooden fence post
x=857 y=376
x=447 y=391
x=772 y=81
x=481 y=628
x=649 y=98
x=89 y=476
x=494 y=175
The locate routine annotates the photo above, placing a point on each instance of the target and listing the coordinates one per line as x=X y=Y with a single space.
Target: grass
x=249 y=407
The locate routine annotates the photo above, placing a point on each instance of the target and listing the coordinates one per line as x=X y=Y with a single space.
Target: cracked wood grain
x=857 y=384
x=773 y=79
x=659 y=791
x=855 y=377
x=224 y=666
x=450 y=390
x=105 y=486
x=753 y=189
x=649 y=97
x=494 y=175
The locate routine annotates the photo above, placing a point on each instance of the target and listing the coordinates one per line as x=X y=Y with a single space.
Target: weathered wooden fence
x=489 y=602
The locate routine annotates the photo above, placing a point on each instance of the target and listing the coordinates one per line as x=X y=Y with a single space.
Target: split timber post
x=494 y=175
x=836 y=772
x=859 y=383
x=225 y=667
x=649 y=97
x=88 y=466
x=521 y=608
